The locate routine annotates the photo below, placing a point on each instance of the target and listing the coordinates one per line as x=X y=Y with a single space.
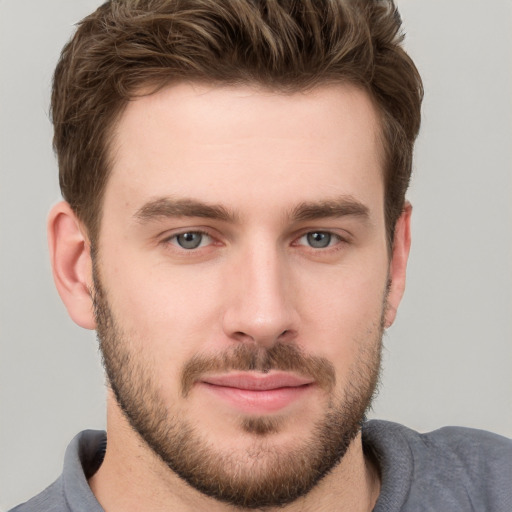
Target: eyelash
x=332 y=237
x=174 y=238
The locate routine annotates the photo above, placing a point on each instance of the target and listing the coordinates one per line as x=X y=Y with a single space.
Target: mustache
x=249 y=357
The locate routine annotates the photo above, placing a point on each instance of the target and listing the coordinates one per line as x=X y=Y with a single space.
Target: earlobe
x=398 y=264
x=71 y=263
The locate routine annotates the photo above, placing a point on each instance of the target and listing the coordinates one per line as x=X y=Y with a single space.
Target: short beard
x=264 y=475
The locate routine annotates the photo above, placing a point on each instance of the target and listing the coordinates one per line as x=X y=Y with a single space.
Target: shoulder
x=463 y=446
x=471 y=448
x=71 y=490
x=450 y=467
x=50 y=500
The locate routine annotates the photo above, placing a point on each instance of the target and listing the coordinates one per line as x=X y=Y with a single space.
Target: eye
x=191 y=240
x=319 y=239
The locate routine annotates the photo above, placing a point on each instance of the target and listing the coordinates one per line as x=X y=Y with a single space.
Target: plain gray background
x=447 y=359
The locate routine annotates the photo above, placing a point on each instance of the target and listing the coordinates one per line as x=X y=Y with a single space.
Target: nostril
x=286 y=335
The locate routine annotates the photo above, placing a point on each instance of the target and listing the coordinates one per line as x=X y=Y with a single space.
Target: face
x=241 y=282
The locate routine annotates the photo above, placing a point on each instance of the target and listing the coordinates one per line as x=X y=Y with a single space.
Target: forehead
x=233 y=143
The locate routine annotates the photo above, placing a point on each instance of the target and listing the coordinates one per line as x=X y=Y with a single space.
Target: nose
x=260 y=306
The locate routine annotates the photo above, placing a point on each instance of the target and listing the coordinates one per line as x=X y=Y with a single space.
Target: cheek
x=176 y=310
x=343 y=311
x=171 y=308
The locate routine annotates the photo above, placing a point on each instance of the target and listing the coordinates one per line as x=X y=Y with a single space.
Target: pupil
x=319 y=239
x=189 y=240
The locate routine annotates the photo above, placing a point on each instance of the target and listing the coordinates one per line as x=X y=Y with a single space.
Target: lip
x=257 y=393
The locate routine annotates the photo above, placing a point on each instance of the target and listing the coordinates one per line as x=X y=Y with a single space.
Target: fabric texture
x=451 y=469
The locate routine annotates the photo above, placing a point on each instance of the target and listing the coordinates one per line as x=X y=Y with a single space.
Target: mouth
x=257 y=393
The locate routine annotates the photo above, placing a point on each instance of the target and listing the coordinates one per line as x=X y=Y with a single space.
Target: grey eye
x=319 y=239
x=191 y=240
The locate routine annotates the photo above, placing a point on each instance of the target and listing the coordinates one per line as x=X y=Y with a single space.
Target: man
x=236 y=230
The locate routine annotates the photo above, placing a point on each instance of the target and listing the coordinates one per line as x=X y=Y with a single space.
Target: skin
x=254 y=278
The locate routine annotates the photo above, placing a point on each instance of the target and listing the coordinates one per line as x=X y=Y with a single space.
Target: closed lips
x=257 y=381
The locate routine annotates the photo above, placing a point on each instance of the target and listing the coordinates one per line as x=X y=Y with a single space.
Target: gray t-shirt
x=451 y=469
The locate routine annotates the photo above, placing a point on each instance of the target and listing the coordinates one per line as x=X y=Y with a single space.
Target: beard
x=265 y=474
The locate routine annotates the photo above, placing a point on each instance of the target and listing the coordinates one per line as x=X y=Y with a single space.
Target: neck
x=132 y=477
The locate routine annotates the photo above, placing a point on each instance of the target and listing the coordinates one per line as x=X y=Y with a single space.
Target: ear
x=398 y=264
x=71 y=263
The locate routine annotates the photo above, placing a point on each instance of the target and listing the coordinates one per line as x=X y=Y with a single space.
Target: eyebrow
x=340 y=207
x=165 y=207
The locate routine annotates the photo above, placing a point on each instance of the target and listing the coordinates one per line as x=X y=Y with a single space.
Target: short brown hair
x=285 y=45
